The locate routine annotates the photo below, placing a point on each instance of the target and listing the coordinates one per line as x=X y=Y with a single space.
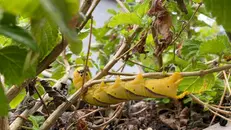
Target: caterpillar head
x=78 y=77
x=172 y=84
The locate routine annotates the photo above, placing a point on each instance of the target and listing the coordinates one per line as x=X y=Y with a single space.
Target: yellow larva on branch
x=112 y=93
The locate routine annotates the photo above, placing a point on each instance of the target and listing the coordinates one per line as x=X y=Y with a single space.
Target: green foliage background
x=31 y=29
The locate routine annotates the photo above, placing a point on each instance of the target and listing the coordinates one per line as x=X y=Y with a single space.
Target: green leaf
x=20 y=35
x=83 y=35
x=5 y=41
x=221 y=10
x=58 y=72
x=12 y=64
x=79 y=61
x=76 y=47
x=165 y=100
x=61 y=12
x=7 y=19
x=3 y=102
x=17 y=100
x=20 y=7
x=197 y=84
x=36 y=121
x=142 y=9
x=169 y=58
x=125 y=18
x=197 y=1
x=215 y=46
x=46 y=35
x=190 y=49
x=112 y=11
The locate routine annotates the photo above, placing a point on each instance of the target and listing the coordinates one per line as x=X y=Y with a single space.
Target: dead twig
x=117 y=113
x=222 y=98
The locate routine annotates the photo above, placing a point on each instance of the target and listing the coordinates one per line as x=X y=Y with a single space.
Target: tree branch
x=161 y=74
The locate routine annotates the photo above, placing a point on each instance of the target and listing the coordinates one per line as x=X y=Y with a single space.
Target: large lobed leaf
x=46 y=35
x=190 y=49
x=62 y=13
x=217 y=45
x=221 y=10
x=12 y=64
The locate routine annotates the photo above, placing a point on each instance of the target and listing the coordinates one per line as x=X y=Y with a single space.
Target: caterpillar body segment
x=101 y=95
x=88 y=97
x=118 y=91
x=137 y=87
x=165 y=86
x=106 y=94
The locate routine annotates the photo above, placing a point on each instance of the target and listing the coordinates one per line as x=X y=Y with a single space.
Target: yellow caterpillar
x=106 y=94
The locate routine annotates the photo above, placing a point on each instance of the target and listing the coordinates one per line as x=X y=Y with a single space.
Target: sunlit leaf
x=197 y=1
x=197 y=84
x=17 y=100
x=142 y=9
x=58 y=72
x=83 y=35
x=124 y=18
x=20 y=7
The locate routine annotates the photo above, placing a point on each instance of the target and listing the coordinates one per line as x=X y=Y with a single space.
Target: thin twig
x=119 y=73
x=88 y=53
x=131 y=48
x=215 y=113
x=123 y=6
x=223 y=107
x=90 y=113
x=42 y=101
x=227 y=82
x=140 y=64
x=65 y=60
x=221 y=101
x=117 y=112
x=209 y=106
x=61 y=63
x=140 y=111
x=89 y=14
x=186 y=24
